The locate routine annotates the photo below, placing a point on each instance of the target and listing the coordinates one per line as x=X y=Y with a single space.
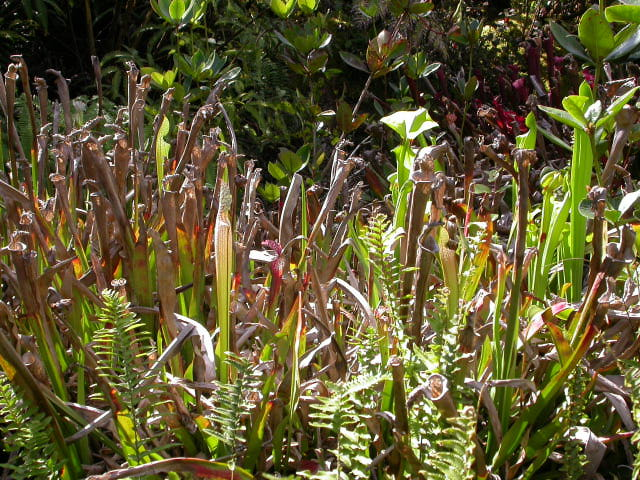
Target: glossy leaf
x=576 y=106
x=569 y=42
x=176 y=10
x=283 y=8
x=275 y=171
x=410 y=124
x=623 y=13
x=308 y=6
x=528 y=140
x=562 y=116
x=596 y=34
x=626 y=45
x=628 y=200
x=617 y=105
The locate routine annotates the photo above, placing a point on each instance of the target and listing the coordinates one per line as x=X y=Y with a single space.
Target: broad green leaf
x=283 y=8
x=193 y=12
x=593 y=112
x=528 y=140
x=562 y=116
x=158 y=78
x=480 y=188
x=596 y=34
x=284 y=39
x=308 y=6
x=626 y=43
x=586 y=208
x=430 y=69
x=623 y=13
x=345 y=120
x=325 y=40
x=228 y=77
x=576 y=105
x=276 y=172
x=585 y=90
x=290 y=161
x=410 y=124
x=369 y=10
x=612 y=216
x=613 y=109
x=161 y=7
x=316 y=61
x=628 y=200
x=569 y=42
x=176 y=10
x=270 y=192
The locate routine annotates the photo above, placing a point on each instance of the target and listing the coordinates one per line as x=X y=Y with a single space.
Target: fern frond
x=380 y=238
x=232 y=405
x=25 y=434
x=345 y=413
x=574 y=455
x=121 y=343
x=122 y=347
x=454 y=456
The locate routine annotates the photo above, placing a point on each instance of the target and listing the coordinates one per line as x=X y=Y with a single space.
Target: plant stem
x=524 y=159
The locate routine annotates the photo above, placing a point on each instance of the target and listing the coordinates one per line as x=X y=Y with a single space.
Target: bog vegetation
x=306 y=239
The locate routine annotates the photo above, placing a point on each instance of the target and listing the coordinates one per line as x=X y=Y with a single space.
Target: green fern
x=122 y=348
x=443 y=354
x=574 y=456
x=231 y=406
x=345 y=413
x=26 y=436
x=455 y=454
x=22 y=122
x=380 y=238
x=444 y=446
x=367 y=349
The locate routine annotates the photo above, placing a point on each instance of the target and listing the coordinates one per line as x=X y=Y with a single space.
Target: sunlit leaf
x=410 y=124
x=596 y=34
x=628 y=200
x=283 y=8
x=308 y=6
x=562 y=116
x=176 y=10
x=623 y=13
x=630 y=44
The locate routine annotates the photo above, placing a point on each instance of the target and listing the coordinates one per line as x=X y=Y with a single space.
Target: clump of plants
x=472 y=313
